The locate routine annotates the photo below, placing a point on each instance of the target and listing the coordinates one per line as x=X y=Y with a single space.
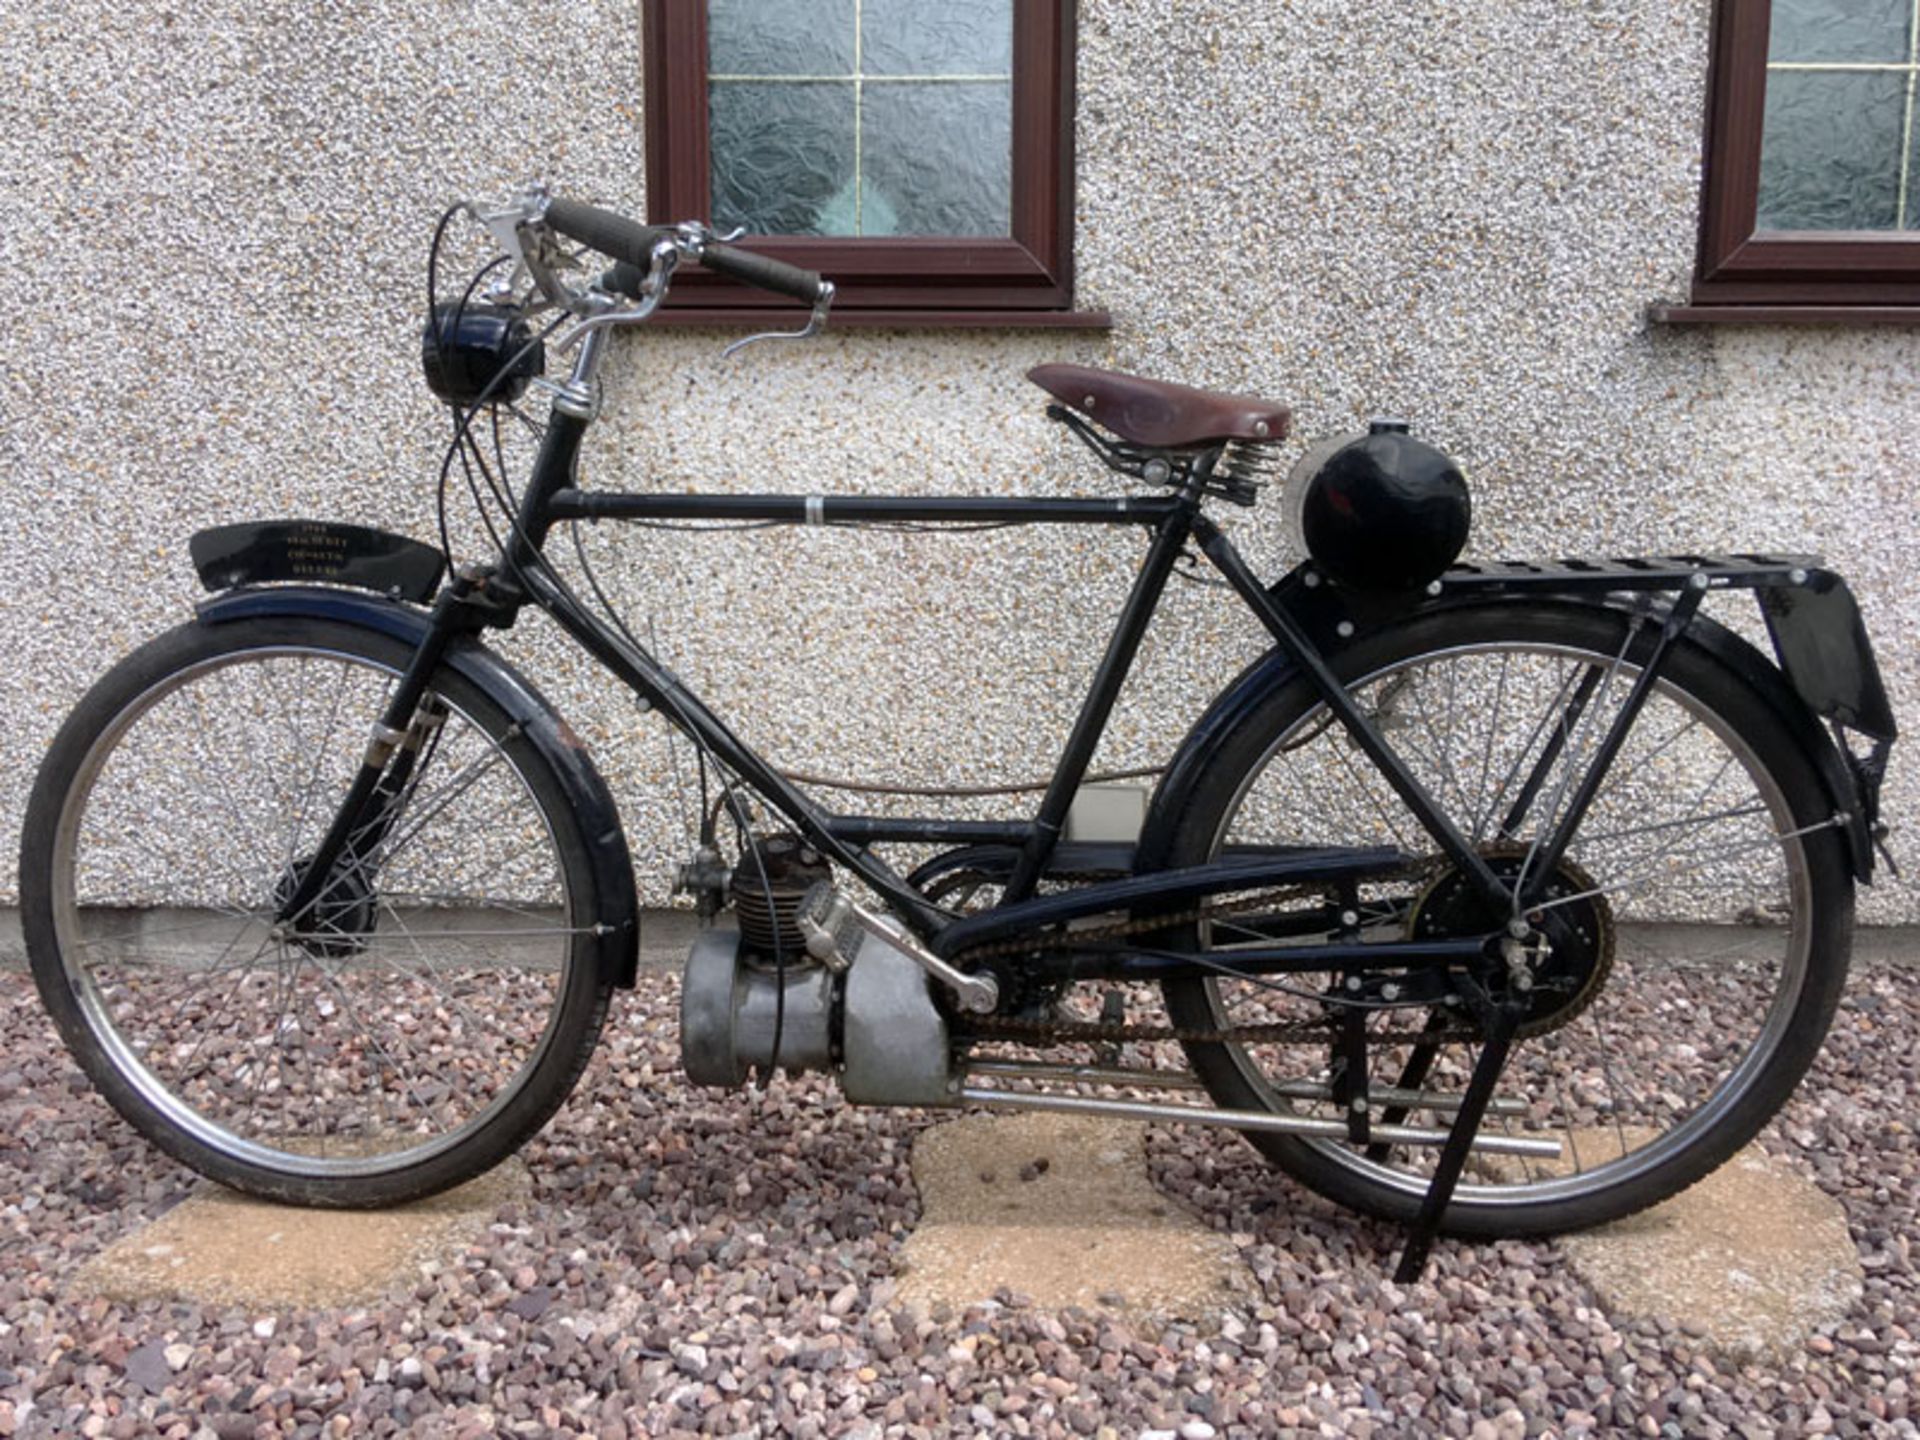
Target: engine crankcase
x=893 y=1043
x=730 y=1009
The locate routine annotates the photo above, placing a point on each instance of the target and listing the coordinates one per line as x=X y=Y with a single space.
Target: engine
x=755 y=998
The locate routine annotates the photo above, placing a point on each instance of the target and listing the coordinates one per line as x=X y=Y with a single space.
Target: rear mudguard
x=618 y=912
x=1851 y=788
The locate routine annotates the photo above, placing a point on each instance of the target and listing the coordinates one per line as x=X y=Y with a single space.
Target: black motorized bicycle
x=1495 y=898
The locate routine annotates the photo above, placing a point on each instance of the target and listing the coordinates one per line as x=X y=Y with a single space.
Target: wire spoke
x=210 y=1025
x=1584 y=730
x=1591 y=837
x=438 y=800
x=1482 y=818
x=430 y=973
x=1557 y=710
x=141 y=932
x=353 y=1017
x=1380 y=808
x=311 y=790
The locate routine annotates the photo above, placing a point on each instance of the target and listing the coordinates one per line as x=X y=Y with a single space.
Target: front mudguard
x=1793 y=692
x=617 y=912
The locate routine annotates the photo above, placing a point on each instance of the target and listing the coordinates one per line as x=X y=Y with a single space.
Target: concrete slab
x=1060 y=1209
x=1755 y=1255
x=222 y=1248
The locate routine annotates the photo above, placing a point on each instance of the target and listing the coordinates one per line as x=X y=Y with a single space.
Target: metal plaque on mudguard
x=316 y=552
x=1823 y=647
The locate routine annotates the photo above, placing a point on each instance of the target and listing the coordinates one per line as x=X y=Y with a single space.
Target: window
x=1812 y=201
x=920 y=156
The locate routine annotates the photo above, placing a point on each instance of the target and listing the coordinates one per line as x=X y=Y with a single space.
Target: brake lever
x=515 y=227
x=606 y=313
x=816 y=322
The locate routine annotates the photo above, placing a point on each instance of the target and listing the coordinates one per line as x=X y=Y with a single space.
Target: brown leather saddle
x=1159 y=415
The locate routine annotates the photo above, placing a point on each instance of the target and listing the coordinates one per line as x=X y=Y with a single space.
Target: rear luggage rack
x=1661 y=572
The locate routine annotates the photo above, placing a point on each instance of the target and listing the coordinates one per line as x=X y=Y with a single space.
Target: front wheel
x=428 y=1015
x=1707 y=894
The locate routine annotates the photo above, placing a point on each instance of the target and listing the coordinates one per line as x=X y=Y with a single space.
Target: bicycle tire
x=444 y=1003
x=1685 y=1097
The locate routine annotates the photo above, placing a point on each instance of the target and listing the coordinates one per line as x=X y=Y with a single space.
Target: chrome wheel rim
x=142 y=1016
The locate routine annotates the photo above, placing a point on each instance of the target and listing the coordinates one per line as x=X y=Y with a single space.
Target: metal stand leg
x=1412 y=1076
x=1502 y=1020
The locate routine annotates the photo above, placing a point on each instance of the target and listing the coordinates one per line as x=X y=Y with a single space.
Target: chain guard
x=1048 y=1031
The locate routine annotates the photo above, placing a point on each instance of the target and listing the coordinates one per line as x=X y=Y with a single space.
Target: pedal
x=829 y=927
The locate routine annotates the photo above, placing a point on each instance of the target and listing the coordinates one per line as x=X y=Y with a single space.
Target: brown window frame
x=1023 y=279
x=1746 y=273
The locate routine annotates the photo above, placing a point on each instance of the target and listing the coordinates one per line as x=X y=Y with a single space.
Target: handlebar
x=631 y=244
x=610 y=234
x=764 y=271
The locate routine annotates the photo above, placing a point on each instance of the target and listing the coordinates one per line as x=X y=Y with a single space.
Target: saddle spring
x=1246 y=468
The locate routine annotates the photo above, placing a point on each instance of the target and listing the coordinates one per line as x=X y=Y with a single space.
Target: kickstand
x=1502 y=1020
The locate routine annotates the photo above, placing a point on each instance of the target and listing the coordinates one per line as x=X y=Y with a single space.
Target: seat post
x=1148 y=585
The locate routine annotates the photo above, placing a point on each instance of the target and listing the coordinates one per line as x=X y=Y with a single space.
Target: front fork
x=401 y=740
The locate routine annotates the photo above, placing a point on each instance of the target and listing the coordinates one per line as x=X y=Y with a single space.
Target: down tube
x=681 y=707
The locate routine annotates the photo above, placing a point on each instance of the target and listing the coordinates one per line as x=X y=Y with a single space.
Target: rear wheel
x=1707 y=894
x=434 y=1010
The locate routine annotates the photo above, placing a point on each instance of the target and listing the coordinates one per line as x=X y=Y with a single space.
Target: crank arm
x=828 y=916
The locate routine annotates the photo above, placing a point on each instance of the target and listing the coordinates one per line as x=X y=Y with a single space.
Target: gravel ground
x=722 y=1264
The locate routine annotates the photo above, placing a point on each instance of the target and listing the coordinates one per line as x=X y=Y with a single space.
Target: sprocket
x=1567 y=976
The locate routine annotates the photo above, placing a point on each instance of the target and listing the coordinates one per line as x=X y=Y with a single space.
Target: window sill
x=1669 y=314
x=787 y=318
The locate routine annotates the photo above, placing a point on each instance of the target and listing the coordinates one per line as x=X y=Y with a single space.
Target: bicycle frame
x=1172 y=521
x=482 y=597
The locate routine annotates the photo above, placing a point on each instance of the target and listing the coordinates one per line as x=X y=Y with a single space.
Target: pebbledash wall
x=211 y=264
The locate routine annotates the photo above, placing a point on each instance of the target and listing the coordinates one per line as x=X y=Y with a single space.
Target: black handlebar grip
x=605 y=231
x=763 y=271
x=624 y=279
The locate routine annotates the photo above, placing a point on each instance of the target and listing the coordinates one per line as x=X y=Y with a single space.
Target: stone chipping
x=214 y=263
x=692 y=1263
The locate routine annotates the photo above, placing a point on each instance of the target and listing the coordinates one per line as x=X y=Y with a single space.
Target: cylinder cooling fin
x=771 y=879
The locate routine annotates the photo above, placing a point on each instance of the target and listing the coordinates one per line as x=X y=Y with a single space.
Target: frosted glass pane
x=780 y=37
x=1874 y=31
x=782 y=157
x=1912 y=218
x=1830 y=156
x=911 y=37
x=936 y=159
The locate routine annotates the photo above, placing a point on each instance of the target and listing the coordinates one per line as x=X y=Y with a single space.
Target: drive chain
x=1044 y=1031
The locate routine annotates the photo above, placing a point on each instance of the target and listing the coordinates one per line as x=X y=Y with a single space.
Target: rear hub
x=1557 y=978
